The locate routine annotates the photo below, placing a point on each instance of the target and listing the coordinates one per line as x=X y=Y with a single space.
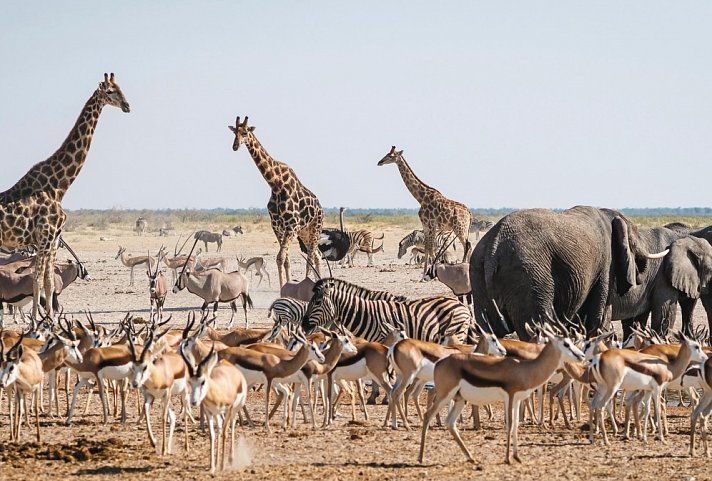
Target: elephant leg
x=663 y=315
x=687 y=306
x=707 y=303
x=594 y=309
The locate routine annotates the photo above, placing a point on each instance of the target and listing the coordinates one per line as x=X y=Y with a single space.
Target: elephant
x=534 y=261
x=681 y=277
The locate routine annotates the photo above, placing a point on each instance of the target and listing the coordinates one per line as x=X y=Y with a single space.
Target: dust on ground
x=348 y=450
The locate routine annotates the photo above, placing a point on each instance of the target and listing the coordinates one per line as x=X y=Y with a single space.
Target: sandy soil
x=349 y=450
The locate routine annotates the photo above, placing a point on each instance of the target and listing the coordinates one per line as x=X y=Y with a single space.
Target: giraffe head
x=241 y=131
x=391 y=157
x=111 y=93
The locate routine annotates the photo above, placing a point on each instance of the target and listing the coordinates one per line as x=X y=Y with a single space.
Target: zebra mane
x=356 y=290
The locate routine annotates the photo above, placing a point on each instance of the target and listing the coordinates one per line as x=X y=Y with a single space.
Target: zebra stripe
x=349 y=288
x=417 y=239
x=287 y=311
x=426 y=319
x=361 y=241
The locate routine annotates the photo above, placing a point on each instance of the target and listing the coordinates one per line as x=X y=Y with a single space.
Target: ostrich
x=333 y=243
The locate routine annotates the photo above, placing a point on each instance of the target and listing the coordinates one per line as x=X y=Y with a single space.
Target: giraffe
x=437 y=213
x=31 y=210
x=293 y=209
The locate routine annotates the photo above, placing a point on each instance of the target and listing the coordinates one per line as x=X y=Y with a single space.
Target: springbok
x=486 y=379
x=132 y=261
x=100 y=364
x=157 y=289
x=21 y=368
x=221 y=390
x=634 y=371
x=159 y=375
x=269 y=369
x=258 y=263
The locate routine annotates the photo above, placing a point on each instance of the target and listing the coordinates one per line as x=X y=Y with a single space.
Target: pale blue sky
x=496 y=103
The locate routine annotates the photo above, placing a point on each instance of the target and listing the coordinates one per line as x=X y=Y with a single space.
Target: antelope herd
x=334 y=341
x=330 y=337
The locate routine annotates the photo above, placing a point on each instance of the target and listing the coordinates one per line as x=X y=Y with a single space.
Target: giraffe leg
x=282 y=255
x=49 y=280
x=429 y=247
x=310 y=237
x=41 y=263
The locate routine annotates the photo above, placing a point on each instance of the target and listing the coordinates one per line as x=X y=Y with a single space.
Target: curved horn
x=205 y=359
x=659 y=255
x=188 y=363
x=189 y=324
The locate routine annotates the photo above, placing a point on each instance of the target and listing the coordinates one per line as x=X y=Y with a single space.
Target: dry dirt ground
x=349 y=450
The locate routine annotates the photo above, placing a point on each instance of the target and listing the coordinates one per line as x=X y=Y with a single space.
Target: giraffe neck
x=268 y=167
x=416 y=187
x=58 y=172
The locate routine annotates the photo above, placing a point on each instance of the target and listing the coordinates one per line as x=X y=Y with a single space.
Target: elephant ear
x=623 y=257
x=682 y=267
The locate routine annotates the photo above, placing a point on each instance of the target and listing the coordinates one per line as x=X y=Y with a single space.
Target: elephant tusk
x=659 y=255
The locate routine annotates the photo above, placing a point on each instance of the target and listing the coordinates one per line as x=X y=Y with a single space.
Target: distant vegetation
x=257 y=219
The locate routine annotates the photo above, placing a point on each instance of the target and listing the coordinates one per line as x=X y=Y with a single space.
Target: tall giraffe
x=31 y=210
x=437 y=213
x=293 y=209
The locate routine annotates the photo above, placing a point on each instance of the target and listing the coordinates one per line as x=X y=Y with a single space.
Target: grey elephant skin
x=681 y=277
x=574 y=262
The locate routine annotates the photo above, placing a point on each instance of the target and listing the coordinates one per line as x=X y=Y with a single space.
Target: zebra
x=361 y=241
x=207 y=236
x=427 y=319
x=140 y=226
x=287 y=311
x=478 y=226
x=417 y=238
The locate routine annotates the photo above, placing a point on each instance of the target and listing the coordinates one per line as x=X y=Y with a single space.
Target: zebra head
x=321 y=311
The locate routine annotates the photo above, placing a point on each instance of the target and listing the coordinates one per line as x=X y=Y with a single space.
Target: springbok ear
x=211 y=363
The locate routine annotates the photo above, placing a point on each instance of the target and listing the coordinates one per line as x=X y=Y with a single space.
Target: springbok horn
x=188 y=325
x=659 y=255
x=188 y=363
x=205 y=359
